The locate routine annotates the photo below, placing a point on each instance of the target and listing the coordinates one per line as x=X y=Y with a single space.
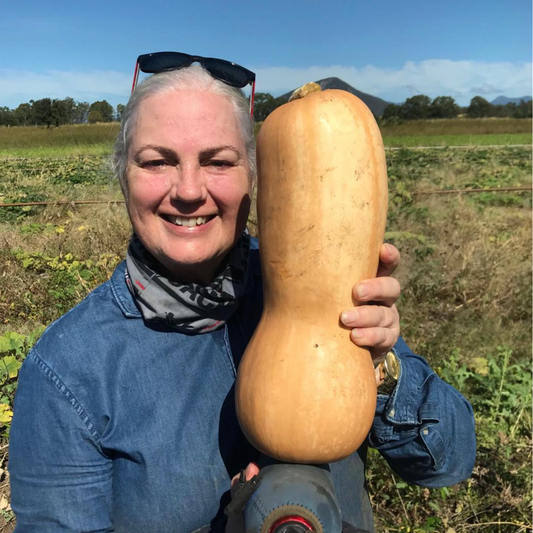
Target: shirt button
x=391 y=412
x=425 y=431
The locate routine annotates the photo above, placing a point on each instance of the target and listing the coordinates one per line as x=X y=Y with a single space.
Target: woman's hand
x=376 y=325
x=236 y=522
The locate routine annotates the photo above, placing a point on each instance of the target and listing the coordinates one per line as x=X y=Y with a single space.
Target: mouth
x=190 y=222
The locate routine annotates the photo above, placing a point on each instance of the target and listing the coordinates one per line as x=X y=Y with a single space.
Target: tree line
x=417 y=108
x=54 y=112
x=423 y=107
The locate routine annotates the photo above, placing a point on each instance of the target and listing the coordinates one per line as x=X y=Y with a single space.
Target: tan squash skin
x=305 y=393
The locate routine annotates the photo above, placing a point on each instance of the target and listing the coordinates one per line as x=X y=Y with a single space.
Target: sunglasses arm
x=135 y=76
x=252 y=100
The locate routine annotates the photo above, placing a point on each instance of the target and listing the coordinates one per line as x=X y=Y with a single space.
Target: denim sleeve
x=60 y=480
x=425 y=429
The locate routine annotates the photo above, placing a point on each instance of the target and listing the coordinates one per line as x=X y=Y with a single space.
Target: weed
x=13 y=350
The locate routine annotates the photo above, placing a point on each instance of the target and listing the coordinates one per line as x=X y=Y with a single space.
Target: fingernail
x=348 y=317
x=363 y=290
x=358 y=333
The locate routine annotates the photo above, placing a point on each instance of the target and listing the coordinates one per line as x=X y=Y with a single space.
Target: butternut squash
x=305 y=393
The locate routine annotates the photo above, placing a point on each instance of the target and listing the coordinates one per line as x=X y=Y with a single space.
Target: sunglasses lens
x=227 y=72
x=153 y=63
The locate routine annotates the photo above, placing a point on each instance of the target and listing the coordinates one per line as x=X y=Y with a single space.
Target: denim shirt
x=126 y=426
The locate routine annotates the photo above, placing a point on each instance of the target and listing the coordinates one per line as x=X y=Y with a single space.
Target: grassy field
x=465 y=306
x=462 y=126
x=490 y=139
x=98 y=139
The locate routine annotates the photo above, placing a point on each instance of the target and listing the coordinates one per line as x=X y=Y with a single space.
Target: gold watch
x=389 y=370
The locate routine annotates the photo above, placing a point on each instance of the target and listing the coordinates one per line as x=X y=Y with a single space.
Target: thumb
x=251 y=470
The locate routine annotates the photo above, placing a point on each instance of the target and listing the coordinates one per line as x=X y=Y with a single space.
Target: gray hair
x=194 y=77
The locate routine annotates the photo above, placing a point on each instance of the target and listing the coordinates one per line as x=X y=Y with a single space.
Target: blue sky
x=389 y=48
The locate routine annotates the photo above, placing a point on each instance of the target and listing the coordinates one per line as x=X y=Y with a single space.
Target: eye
x=154 y=164
x=220 y=163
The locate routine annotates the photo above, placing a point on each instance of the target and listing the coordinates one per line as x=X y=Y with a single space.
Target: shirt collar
x=122 y=294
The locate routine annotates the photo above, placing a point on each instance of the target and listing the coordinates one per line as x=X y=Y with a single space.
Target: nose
x=189 y=185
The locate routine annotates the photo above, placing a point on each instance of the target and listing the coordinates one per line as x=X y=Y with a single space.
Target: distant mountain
x=503 y=100
x=375 y=104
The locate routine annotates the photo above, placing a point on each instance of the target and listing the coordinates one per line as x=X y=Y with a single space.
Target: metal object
x=293 y=499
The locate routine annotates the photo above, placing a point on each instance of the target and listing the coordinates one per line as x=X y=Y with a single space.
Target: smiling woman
x=187 y=164
x=125 y=410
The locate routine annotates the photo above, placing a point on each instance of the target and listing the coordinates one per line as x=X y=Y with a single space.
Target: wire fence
x=415 y=193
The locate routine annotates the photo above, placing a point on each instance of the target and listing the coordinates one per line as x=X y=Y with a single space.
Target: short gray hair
x=194 y=77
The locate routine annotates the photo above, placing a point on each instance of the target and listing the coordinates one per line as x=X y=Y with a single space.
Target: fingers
x=251 y=470
x=370 y=316
x=379 y=340
x=389 y=259
x=384 y=290
x=373 y=326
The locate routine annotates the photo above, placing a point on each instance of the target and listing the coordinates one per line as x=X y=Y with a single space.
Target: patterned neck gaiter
x=187 y=307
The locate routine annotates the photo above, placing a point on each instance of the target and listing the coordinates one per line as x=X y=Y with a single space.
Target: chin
x=196 y=267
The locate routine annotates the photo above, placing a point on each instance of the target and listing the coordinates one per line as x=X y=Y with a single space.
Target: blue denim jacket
x=129 y=427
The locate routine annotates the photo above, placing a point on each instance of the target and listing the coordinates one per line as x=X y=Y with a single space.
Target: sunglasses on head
x=225 y=71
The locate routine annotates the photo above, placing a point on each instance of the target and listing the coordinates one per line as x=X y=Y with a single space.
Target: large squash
x=305 y=393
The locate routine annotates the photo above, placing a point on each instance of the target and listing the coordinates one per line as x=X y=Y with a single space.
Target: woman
x=125 y=417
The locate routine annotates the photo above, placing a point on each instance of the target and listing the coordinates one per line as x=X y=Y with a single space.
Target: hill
x=503 y=100
x=375 y=104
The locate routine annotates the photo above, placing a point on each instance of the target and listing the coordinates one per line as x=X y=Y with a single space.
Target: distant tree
x=264 y=104
x=69 y=104
x=479 y=108
x=80 y=112
x=391 y=113
x=507 y=110
x=523 y=109
x=120 y=110
x=95 y=116
x=42 y=112
x=24 y=114
x=415 y=108
x=61 y=112
x=443 y=107
x=100 y=111
x=7 y=117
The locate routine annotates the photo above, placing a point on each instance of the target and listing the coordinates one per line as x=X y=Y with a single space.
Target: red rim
x=286 y=519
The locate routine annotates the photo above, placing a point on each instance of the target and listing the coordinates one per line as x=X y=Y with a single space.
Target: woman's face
x=188 y=181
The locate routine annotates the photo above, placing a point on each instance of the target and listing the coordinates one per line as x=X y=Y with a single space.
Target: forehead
x=187 y=117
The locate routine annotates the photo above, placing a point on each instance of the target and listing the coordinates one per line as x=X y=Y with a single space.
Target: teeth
x=189 y=222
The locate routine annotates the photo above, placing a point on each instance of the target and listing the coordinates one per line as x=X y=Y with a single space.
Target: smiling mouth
x=190 y=222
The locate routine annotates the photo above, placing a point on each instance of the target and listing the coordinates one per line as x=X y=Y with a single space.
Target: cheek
x=231 y=194
x=146 y=193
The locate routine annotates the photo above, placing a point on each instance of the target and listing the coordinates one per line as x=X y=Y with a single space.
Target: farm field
x=98 y=139
x=465 y=304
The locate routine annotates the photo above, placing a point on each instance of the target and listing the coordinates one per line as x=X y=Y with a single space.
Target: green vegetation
x=421 y=107
x=418 y=107
x=55 y=112
x=474 y=127
x=98 y=139
x=76 y=139
x=465 y=304
x=508 y=139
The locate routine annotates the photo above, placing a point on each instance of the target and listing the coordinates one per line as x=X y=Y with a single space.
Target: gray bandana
x=187 y=307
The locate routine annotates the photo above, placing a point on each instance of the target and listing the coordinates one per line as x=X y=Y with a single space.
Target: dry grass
x=465 y=274
x=74 y=134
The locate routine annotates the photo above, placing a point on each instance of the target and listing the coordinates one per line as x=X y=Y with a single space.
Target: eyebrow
x=165 y=152
x=171 y=154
